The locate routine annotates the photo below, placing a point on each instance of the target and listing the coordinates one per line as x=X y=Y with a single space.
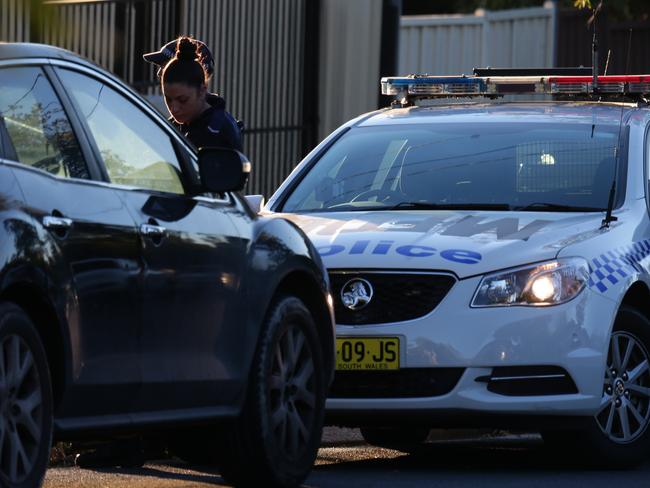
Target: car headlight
x=547 y=283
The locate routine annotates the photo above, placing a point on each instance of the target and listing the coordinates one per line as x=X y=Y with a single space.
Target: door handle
x=154 y=232
x=52 y=222
x=58 y=225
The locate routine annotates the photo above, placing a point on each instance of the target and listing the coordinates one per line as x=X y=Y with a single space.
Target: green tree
x=616 y=9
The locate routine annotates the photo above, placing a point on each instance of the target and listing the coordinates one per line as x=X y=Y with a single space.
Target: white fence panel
x=455 y=44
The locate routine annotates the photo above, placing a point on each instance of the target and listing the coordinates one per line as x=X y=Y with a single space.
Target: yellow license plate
x=367 y=353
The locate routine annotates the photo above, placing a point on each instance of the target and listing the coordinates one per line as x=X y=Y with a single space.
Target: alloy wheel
x=292 y=391
x=21 y=409
x=624 y=410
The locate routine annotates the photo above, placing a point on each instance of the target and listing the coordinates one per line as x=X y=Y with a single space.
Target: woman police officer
x=198 y=114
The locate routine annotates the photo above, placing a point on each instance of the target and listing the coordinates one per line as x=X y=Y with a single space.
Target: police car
x=489 y=260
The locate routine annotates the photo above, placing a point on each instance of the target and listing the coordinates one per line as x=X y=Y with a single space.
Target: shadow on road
x=469 y=464
x=169 y=470
x=472 y=456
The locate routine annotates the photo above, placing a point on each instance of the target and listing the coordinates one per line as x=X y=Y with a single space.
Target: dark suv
x=138 y=293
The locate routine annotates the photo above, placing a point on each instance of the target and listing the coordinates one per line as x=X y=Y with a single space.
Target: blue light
x=423 y=86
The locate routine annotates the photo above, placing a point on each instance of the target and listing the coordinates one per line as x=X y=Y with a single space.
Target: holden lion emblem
x=356 y=294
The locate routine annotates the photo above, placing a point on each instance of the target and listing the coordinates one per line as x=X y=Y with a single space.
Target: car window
x=455 y=164
x=647 y=161
x=135 y=150
x=37 y=125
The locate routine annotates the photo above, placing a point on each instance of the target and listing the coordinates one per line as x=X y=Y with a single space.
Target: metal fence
x=266 y=56
x=454 y=44
x=622 y=40
x=14 y=20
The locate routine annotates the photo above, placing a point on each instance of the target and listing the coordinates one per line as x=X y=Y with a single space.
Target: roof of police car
x=607 y=113
x=24 y=50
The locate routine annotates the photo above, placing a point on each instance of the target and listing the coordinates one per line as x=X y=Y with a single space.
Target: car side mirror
x=255 y=202
x=223 y=169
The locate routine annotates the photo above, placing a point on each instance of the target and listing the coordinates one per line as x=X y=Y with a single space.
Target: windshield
x=501 y=166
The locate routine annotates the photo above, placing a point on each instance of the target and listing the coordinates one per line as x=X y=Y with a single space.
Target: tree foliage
x=616 y=9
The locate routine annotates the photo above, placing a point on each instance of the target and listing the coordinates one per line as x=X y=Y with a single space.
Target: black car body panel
x=284 y=259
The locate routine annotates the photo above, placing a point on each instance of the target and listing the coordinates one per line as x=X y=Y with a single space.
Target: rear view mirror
x=325 y=190
x=223 y=169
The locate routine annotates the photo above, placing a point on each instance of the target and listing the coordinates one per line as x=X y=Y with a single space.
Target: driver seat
x=418 y=180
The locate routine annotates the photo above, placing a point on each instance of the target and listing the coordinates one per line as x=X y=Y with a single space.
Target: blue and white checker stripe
x=607 y=269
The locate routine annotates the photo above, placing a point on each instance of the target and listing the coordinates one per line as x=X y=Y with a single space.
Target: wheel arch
x=638 y=297
x=40 y=310
x=302 y=285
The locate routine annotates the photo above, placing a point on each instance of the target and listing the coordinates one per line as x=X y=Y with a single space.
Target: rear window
x=488 y=163
x=38 y=132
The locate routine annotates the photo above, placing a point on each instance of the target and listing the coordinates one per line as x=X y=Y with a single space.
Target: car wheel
x=406 y=437
x=25 y=401
x=618 y=435
x=276 y=439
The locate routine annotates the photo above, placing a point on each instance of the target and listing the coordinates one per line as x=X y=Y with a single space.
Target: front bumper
x=573 y=336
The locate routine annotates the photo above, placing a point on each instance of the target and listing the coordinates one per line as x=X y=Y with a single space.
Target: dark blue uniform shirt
x=214 y=127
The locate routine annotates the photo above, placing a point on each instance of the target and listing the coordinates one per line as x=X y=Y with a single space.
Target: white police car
x=489 y=261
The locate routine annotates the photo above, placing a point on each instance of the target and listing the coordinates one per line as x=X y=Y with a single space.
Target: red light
x=601 y=79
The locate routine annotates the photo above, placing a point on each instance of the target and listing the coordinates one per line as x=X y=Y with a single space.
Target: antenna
x=594 y=56
x=610 y=204
x=609 y=54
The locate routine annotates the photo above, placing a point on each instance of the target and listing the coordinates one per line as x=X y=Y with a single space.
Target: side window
x=136 y=151
x=38 y=128
x=647 y=162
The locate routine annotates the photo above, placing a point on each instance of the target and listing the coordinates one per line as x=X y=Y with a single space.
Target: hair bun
x=186 y=49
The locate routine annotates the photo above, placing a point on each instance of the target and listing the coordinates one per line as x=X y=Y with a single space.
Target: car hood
x=466 y=243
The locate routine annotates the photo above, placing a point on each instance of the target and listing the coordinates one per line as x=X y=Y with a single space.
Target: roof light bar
x=425 y=86
x=606 y=84
x=433 y=85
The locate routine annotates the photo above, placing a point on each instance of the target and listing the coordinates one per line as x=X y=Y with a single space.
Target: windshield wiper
x=556 y=207
x=448 y=206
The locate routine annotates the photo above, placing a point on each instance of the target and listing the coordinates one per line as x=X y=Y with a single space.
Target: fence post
x=310 y=76
x=142 y=12
x=119 y=62
x=389 y=55
x=486 y=31
x=553 y=31
x=36 y=20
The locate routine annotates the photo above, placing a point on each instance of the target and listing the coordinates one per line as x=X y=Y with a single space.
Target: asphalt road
x=511 y=461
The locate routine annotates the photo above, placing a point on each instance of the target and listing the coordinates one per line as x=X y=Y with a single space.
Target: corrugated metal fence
x=624 y=40
x=266 y=56
x=265 y=70
x=349 y=60
x=454 y=44
x=14 y=20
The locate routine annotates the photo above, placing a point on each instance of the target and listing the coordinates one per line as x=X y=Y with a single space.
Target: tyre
x=618 y=435
x=406 y=437
x=25 y=401
x=276 y=439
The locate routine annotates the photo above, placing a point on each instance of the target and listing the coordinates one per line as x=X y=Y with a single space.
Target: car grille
x=396 y=296
x=404 y=383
